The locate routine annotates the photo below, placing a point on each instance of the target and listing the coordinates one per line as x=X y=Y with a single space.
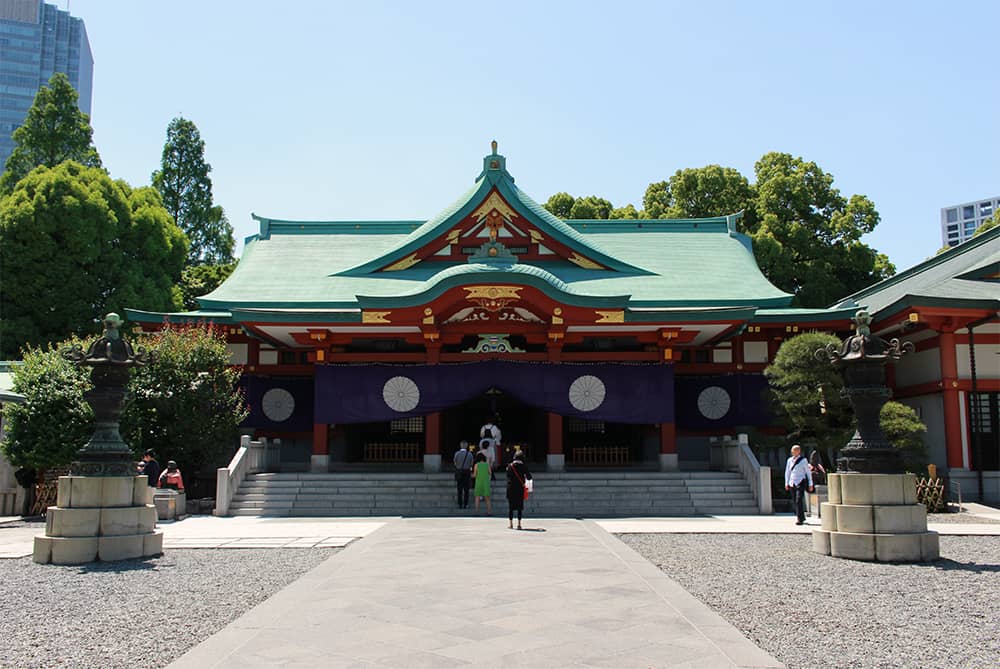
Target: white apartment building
x=960 y=221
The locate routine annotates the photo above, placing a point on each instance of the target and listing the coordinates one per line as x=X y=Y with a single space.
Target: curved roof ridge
x=530 y=275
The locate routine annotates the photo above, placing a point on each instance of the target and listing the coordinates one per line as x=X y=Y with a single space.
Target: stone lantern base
x=875 y=517
x=100 y=518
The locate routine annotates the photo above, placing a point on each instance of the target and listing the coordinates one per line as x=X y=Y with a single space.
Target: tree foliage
x=560 y=204
x=702 y=192
x=186 y=188
x=198 y=280
x=807 y=398
x=807 y=236
x=187 y=405
x=807 y=391
x=75 y=244
x=54 y=130
x=905 y=430
x=591 y=207
x=55 y=421
x=989 y=224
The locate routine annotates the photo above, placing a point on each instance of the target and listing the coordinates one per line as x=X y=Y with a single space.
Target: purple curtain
x=620 y=393
x=747 y=401
x=301 y=390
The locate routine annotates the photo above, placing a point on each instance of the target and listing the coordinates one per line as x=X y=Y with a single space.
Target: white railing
x=956 y=489
x=252 y=457
x=758 y=477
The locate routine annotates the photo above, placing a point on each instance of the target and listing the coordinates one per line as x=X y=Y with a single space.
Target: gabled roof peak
x=495 y=167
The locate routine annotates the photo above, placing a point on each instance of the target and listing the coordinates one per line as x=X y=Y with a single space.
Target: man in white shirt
x=490 y=431
x=798 y=477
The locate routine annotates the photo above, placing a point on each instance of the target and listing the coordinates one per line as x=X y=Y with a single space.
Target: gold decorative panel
x=375 y=316
x=493 y=298
x=493 y=292
x=405 y=263
x=610 y=316
x=585 y=263
x=494 y=202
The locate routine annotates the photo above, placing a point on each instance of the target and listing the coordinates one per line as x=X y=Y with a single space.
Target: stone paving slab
x=450 y=592
x=235 y=533
x=774 y=524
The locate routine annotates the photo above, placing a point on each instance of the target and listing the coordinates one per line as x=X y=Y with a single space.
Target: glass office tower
x=37 y=40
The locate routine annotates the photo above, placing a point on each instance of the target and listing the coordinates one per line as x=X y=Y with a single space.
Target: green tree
x=702 y=192
x=55 y=421
x=591 y=207
x=626 y=212
x=55 y=130
x=905 y=430
x=806 y=391
x=560 y=204
x=75 y=244
x=807 y=236
x=198 y=280
x=989 y=224
x=187 y=405
x=186 y=188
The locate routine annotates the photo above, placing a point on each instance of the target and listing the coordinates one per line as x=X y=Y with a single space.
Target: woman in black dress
x=517 y=474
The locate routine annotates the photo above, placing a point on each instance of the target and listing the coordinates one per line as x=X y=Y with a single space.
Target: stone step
x=557 y=494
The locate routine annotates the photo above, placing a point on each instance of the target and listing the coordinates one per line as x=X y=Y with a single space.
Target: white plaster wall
x=755 y=351
x=987 y=361
x=930 y=408
x=238 y=353
x=921 y=367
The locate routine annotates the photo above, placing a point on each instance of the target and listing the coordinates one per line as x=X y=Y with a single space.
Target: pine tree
x=55 y=130
x=186 y=188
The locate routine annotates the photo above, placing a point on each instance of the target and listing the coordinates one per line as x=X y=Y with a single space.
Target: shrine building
x=621 y=343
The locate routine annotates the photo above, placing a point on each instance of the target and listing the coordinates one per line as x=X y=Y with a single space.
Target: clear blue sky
x=376 y=110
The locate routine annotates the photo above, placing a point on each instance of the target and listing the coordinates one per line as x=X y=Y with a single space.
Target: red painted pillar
x=555 y=434
x=668 y=447
x=320 y=461
x=951 y=401
x=321 y=433
x=432 y=434
x=668 y=438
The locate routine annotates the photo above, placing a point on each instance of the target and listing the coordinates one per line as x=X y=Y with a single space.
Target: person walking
x=463 y=474
x=517 y=474
x=482 y=490
x=798 y=477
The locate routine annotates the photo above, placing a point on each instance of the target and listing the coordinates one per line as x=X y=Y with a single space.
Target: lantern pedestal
x=875 y=517
x=100 y=518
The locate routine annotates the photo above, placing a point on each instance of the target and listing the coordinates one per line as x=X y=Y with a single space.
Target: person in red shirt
x=171 y=477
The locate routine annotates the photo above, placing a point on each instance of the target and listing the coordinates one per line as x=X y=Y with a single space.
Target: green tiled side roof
x=955 y=277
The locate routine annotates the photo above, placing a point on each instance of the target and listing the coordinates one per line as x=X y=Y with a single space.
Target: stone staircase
x=573 y=494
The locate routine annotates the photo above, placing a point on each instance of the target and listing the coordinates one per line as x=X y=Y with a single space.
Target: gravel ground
x=960 y=518
x=816 y=612
x=135 y=613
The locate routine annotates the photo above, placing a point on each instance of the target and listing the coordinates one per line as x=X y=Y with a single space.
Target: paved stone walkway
x=435 y=592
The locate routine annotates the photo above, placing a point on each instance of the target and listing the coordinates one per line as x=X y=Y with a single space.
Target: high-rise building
x=960 y=221
x=36 y=41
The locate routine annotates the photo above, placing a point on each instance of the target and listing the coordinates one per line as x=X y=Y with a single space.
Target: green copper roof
x=139 y=316
x=958 y=277
x=689 y=264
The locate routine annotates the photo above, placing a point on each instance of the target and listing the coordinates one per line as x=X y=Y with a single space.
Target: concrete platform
x=444 y=592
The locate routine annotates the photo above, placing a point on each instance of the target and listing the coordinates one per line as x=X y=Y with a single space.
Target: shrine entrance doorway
x=520 y=424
